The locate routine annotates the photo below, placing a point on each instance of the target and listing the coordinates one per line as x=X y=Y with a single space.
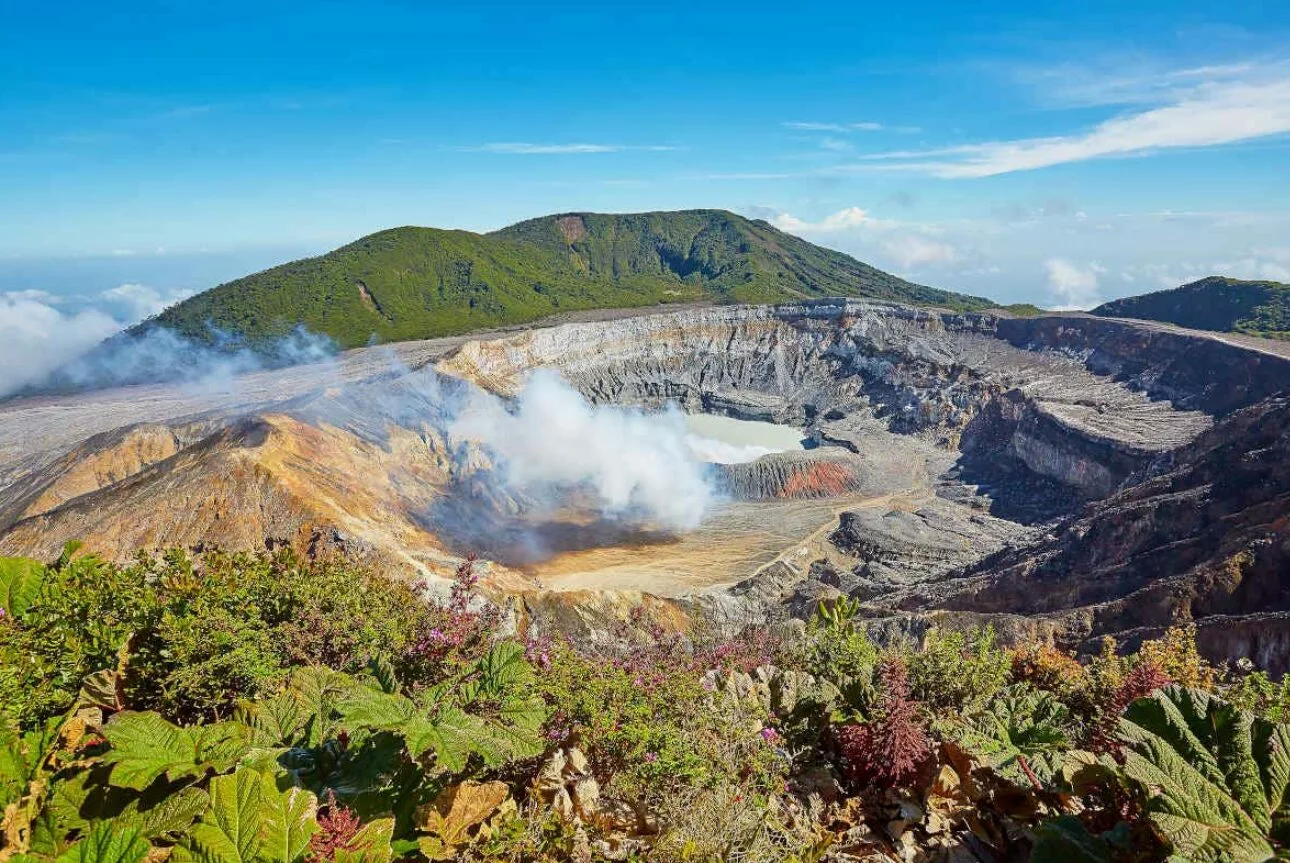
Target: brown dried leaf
x=460 y=807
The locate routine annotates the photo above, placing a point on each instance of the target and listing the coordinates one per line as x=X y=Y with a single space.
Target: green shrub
x=197 y=634
x=1257 y=693
x=643 y=730
x=958 y=672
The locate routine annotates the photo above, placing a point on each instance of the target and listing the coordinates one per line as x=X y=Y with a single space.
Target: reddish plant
x=893 y=747
x=1142 y=680
x=454 y=635
x=337 y=827
x=751 y=647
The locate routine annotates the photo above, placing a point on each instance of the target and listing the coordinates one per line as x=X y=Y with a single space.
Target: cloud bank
x=52 y=343
x=37 y=337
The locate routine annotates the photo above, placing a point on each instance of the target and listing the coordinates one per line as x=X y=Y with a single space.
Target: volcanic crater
x=1060 y=475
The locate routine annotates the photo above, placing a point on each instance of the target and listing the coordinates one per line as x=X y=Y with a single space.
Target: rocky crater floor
x=1061 y=476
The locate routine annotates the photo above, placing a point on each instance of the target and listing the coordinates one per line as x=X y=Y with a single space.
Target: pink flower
x=651 y=757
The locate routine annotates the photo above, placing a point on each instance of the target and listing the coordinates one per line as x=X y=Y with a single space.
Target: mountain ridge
x=1214 y=303
x=413 y=282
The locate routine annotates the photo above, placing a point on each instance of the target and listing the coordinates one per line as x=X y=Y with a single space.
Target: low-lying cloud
x=37 y=337
x=160 y=354
x=49 y=342
x=1072 y=287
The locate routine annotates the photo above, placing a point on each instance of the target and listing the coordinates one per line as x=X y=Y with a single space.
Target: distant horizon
x=1055 y=157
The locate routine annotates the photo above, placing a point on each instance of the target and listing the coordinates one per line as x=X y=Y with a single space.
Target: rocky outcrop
x=910 y=546
x=793 y=475
x=1201 y=533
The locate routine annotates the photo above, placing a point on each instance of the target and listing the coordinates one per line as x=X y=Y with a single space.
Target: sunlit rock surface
x=1061 y=476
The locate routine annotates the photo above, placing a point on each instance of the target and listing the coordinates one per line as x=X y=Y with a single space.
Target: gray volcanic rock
x=903 y=547
x=1201 y=532
x=817 y=473
x=1059 y=476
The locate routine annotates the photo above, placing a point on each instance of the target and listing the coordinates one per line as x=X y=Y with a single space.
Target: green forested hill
x=410 y=282
x=1213 y=303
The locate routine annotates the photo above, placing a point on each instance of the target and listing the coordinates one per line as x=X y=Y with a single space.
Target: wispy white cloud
x=846 y=127
x=522 y=148
x=1205 y=108
x=134 y=302
x=842 y=220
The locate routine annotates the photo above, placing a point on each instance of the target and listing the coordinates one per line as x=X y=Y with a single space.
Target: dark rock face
x=1193 y=372
x=1203 y=532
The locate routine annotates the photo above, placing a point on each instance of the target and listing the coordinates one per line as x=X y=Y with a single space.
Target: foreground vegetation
x=409 y=283
x=230 y=709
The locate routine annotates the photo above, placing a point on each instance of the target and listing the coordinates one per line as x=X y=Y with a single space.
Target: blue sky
x=1059 y=153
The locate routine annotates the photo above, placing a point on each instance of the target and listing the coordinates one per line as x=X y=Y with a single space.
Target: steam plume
x=637 y=466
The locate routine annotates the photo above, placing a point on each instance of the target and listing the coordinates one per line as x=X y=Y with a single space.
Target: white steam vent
x=638 y=465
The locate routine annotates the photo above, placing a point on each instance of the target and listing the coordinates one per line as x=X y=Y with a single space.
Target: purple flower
x=651 y=757
x=770 y=735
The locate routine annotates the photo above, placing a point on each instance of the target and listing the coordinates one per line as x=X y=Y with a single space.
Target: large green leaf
x=21 y=757
x=1065 y=839
x=371 y=844
x=1213 y=777
x=369 y=707
x=20 y=581
x=251 y=821
x=14 y=769
x=289 y=821
x=503 y=669
x=145 y=747
x=1019 y=723
x=108 y=843
x=480 y=714
x=172 y=815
